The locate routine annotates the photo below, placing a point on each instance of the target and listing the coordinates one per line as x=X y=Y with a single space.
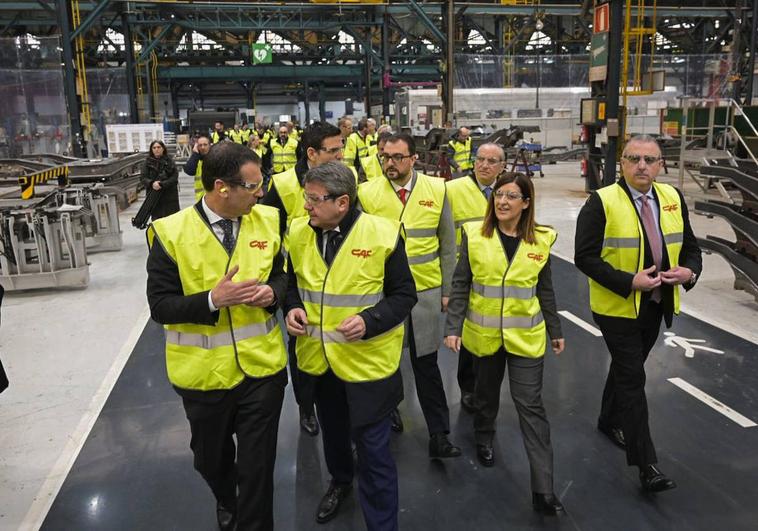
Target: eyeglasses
x=334 y=150
x=489 y=161
x=635 y=159
x=510 y=196
x=250 y=187
x=317 y=199
x=396 y=158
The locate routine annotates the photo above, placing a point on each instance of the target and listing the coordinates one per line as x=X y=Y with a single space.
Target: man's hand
x=453 y=343
x=558 y=345
x=156 y=185
x=229 y=293
x=445 y=300
x=296 y=320
x=642 y=281
x=353 y=328
x=263 y=297
x=194 y=148
x=676 y=275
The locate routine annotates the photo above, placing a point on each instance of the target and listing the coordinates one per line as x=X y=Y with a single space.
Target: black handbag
x=3 y=378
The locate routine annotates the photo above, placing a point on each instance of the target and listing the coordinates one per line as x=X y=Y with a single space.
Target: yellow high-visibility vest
x=467 y=203
x=503 y=309
x=356 y=146
x=372 y=167
x=246 y=340
x=462 y=153
x=199 y=188
x=624 y=245
x=236 y=136
x=283 y=157
x=216 y=138
x=420 y=218
x=331 y=294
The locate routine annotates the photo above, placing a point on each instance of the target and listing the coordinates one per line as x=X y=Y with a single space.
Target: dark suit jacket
x=169 y=305
x=371 y=401
x=590 y=227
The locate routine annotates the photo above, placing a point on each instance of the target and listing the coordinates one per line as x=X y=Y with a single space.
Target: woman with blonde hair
x=501 y=305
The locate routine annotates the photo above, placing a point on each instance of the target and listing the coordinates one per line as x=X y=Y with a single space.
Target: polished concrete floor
x=135 y=470
x=65 y=350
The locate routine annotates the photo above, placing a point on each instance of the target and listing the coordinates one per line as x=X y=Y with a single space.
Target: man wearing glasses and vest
x=322 y=143
x=635 y=243
x=468 y=197
x=419 y=203
x=349 y=291
x=215 y=279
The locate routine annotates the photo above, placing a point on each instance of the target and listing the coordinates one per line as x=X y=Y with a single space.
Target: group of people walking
x=363 y=272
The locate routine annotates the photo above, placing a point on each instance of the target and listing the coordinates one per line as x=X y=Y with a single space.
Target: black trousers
x=525 y=379
x=251 y=411
x=303 y=384
x=377 y=473
x=466 y=375
x=624 y=402
x=429 y=389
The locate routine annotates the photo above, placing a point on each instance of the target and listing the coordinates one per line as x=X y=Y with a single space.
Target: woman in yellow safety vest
x=501 y=305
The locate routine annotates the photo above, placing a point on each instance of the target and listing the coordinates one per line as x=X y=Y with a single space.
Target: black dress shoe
x=226 y=516
x=548 y=504
x=329 y=505
x=616 y=435
x=440 y=447
x=485 y=454
x=397 y=422
x=653 y=480
x=468 y=403
x=308 y=422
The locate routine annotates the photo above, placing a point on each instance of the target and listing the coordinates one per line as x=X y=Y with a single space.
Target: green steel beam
x=415 y=7
x=285 y=72
x=155 y=42
x=91 y=18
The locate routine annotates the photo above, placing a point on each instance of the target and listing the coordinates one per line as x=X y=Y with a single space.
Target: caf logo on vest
x=536 y=257
x=363 y=253
x=259 y=244
x=428 y=203
x=671 y=208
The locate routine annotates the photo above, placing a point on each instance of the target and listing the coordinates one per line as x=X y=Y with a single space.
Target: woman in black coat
x=159 y=173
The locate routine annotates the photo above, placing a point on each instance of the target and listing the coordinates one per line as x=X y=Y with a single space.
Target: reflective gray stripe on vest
x=622 y=243
x=337 y=337
x=674 y=237
x=327 y=337
x=493 y=321
x=421 y=233
x=339 y=301
x=460 y=222
x=422 y=258
x=223 y=339
x=496 y=292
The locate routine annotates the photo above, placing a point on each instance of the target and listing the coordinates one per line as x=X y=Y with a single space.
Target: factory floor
x=93 y=436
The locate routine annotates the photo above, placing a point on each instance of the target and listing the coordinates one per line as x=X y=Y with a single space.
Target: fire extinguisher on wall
x=584 y=167
x=584 y=134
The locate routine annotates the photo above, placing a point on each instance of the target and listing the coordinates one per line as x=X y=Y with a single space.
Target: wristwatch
x=692 y=280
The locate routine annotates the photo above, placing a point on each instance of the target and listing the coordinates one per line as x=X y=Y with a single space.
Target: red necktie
x=654 y=239
x=402 y=193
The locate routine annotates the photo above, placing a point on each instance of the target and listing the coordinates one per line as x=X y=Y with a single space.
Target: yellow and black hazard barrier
x=27 y=182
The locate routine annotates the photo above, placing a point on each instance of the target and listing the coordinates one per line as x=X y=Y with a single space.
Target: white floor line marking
x=54 y=481
x=710 y=319
x=712 y=402
x=579 y=322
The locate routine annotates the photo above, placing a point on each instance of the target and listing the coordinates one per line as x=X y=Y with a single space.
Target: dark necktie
x=487 y=191
x=654 y=239
x=331 y=241
x=402 y=193
x=228 y=241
